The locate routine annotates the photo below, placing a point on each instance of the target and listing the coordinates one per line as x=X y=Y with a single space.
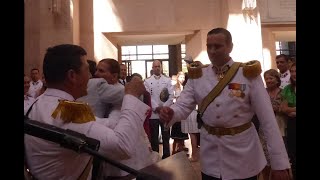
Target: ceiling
x=144 y=38
x=285 y=35
x=171 y=38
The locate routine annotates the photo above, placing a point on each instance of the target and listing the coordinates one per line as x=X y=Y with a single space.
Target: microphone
x=78 y=142
x=66 y=138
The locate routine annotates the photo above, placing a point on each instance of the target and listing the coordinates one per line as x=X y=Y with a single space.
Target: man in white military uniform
x=282 y=62
x=35 y=83
x=67 y=74
x=161 y=91
x=230 y=146
x=28 y=100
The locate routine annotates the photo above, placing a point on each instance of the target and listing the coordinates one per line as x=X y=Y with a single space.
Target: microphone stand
x=77 y=142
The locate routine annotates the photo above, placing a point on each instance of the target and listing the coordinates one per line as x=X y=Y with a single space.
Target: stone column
x=242 y=19
x=86 y=27
x=47 y=23
x=196 y=46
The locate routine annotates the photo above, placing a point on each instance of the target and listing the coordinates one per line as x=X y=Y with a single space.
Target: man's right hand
x=166 y=114
x=135 y=87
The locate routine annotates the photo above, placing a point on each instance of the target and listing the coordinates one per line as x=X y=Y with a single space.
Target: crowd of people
x=128 y=112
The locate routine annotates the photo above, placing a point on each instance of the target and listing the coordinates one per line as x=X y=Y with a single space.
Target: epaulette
x=251 y=69
x=76 y=112
x=195 y=69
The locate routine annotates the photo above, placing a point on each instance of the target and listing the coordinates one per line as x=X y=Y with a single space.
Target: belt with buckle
x=221 y=131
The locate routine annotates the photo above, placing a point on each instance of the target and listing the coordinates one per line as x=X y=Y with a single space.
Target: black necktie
x=123 y=82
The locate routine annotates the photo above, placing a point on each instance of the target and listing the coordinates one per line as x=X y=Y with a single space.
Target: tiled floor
x=195 y=165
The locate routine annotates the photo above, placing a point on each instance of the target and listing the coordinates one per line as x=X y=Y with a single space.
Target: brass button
x=218 y=117
x=235 y=115
x=217 y=105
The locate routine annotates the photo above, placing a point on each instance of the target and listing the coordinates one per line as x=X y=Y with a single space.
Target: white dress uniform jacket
x=34 y=87
x=28 y=100
x=154 y=87
x=101 y=94
x=285 y=79
x=115 y=107
x=48 y=160
x=239 y=156
x=142 y=157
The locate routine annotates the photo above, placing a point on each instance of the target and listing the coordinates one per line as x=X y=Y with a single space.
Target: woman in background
x=176 y=134
x=190 y=126
x=288 y=106
x=272 y=79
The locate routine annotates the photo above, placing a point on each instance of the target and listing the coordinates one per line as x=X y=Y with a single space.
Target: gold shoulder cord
x=195 y=69
x=76 y=112
x=251 y=69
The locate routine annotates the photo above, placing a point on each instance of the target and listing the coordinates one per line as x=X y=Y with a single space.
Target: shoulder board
x=251 y=69
x=195 y=69
x=75 y=112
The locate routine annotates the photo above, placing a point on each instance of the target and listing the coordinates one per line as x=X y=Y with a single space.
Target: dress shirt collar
x=157 y=77
x=283 y=75
x=35 y=82
x=221 y=71
x=58 y=93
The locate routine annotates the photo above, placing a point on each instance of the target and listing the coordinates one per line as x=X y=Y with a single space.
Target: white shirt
x=240 y=156
x=285 y=79
x=142 y=157
x=101 y=94
x=154 y=85
x=34 y=87
x=47 y=160
x=28 y=100
x=116 y=106
x=122 y=81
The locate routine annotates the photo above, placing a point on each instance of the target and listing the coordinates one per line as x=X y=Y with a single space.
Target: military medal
x=237 y=93
x=237 y=90
x=242 y=88
x=220 y=76
x=220 y=72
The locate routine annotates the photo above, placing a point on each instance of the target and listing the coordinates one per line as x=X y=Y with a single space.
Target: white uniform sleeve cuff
x=279 y=162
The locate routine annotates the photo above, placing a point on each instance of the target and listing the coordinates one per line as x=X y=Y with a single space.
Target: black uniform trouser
x=206 y=177
x=291 y=142
x=154 y=131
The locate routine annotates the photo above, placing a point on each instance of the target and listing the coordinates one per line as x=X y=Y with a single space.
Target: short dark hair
x=284 y=56
x=223 y=31
x=59 y=59
x=136 y=74
x=92 y=66
x=113 y=64
x=128 y=78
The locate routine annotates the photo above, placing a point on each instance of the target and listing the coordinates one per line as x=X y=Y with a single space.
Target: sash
x=216 y=91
